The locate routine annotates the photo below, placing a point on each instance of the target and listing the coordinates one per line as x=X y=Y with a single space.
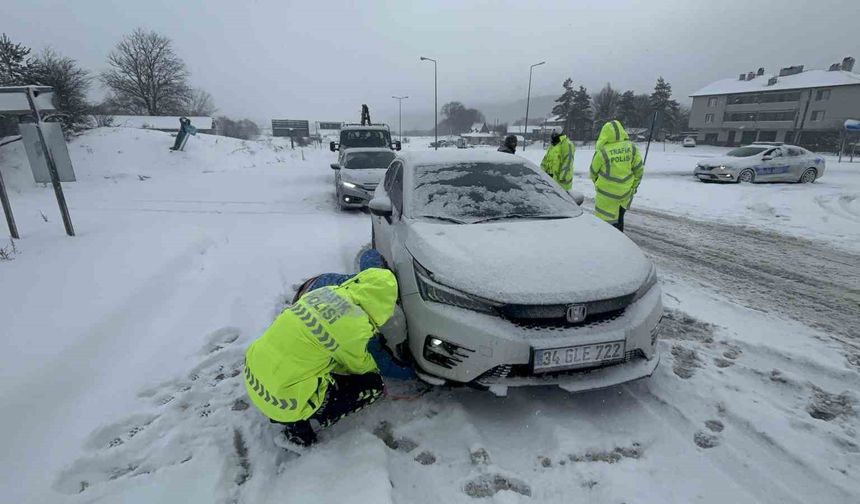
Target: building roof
x=478 y=135
x=160 y=122
x=802 y=80
x=519 y=129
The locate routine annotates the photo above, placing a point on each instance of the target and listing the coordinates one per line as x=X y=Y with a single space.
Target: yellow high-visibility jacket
x=558 y=162
x=288 y=369
x=616 y=171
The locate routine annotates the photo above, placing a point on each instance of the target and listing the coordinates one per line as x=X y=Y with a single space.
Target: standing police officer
x=616 y=171
x=558 y=160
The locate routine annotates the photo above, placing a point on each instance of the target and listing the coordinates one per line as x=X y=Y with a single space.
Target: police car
x=763 y=163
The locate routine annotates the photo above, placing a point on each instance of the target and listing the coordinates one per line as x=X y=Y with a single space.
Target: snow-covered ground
x=120 y=380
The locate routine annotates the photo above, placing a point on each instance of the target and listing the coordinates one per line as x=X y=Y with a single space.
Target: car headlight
x=349 y=185
x=649 y=283
x=431 y=290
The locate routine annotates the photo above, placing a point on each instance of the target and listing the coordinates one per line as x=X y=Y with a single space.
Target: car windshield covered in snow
x=363 y=138
x=481 y=191
x=746 y=151
x=367 y=160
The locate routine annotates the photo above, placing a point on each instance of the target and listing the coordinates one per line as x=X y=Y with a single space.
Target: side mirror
x=333 y=146
x=335 y=166
x=577 y=196
x=396 y=145
x=380 y=206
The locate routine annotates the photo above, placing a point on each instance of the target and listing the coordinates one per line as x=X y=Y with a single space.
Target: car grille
x=525 y=370
x=554 y=316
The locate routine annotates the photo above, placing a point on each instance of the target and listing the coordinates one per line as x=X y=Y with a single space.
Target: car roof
x=366 y=127
x=773 y=144
x=458 y=156
x=353 y=150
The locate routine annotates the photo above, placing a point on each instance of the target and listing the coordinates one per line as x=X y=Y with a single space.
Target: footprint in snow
x=686 y=360
x=489 y=485
x=174 y=416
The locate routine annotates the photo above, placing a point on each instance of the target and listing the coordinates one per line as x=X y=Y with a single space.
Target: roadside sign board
x=56 y=146
x=290 y=128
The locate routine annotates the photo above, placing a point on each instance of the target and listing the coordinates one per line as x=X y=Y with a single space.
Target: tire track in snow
x=812 y=283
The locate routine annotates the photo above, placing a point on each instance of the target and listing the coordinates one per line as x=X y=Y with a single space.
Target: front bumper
x=715 y=174
x=499 y=351
x=357 y=197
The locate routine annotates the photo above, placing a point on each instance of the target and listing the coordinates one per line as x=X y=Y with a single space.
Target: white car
x=763 y=163
x=359 y=172
x=689 y=142
x=505 y=281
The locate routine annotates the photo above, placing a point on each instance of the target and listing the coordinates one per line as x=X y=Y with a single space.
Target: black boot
x=300 y=433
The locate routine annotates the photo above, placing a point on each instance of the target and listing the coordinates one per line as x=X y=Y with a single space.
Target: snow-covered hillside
x=120 y=376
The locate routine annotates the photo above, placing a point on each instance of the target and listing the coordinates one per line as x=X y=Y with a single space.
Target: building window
x=780 y=97
x=822 y=94
x=711 y=138
x=766 y=136
x=817 y=115
x=712 y=102
x=709 y=118
x=740 y=117
x=787 y=115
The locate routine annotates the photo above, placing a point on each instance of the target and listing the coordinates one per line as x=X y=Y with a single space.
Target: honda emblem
x=576 y=313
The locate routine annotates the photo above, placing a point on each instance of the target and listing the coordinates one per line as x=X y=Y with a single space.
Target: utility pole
x=528 y=98
x=400 y=113
x=435 y=101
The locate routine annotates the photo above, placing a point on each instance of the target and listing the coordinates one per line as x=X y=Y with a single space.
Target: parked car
x=763 y=163
x=358 y=174
x=689 y=142
x=471 y=236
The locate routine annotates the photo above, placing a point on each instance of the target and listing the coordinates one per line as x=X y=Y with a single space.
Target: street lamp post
x=400 y=113
x=528 y=98
x=435 y=101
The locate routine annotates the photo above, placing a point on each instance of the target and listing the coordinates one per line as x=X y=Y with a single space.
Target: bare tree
x=606 y=105
x=70 y=83
x=201 y=104
x=243 y=128
x=146 y=75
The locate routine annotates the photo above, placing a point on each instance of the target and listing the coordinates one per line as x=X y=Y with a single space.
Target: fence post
x=7 y=209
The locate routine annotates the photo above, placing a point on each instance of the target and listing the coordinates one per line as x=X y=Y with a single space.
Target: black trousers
x=620 y=224
x=348 y=394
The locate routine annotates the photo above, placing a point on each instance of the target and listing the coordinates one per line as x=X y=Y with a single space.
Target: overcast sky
x=320 y=60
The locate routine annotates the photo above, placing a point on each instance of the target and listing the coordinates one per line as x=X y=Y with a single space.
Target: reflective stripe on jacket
x=616 y=171
x=558 y=162
x=288 y=369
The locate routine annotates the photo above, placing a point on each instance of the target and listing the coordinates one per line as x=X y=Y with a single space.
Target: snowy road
x=137 y=370
x=810 y=282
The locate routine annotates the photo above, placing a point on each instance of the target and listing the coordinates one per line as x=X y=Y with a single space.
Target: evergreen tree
x=662 y=102
x=581 y=116
x=627 y=113
x=13 y=63
x=565 y=103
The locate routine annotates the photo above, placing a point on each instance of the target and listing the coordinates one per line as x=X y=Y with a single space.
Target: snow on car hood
x=531 y=261
x=362 y=177
x=730 y=161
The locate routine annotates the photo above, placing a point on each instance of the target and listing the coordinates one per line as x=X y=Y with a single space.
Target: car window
x=794 y=152
x=396 y=192
x=389 y=177
x=363 y=138
x=471 y=192
x=746 y=151
x=367 y=160
x=773 y=153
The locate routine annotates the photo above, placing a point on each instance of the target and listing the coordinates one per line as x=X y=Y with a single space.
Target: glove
x=385 y=362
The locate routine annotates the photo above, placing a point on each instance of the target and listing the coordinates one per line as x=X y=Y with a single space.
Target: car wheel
x=747 y=176
x=808 y=176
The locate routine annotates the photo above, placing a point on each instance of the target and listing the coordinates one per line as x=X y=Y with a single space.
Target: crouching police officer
x=313 y=362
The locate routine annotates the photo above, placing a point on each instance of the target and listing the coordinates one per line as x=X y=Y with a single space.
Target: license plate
x=554 y=359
